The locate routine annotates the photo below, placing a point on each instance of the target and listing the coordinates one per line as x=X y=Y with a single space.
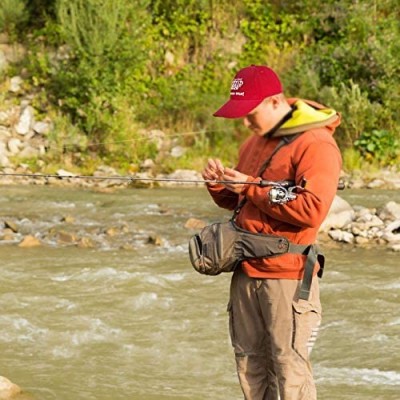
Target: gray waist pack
x=221 y=247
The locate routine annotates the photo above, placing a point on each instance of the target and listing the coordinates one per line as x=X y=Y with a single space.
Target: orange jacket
x=314 y=156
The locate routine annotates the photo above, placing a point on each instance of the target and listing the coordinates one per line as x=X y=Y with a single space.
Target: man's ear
x=276 y=100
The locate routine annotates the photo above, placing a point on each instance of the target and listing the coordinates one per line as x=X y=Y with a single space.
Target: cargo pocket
x=306 y=320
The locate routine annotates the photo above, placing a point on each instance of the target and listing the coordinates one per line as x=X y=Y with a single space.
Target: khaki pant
x=271 y=332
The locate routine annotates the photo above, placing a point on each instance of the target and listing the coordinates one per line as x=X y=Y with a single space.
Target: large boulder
x=340 y=214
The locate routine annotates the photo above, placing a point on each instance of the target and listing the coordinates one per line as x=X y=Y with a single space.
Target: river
x=137 y=322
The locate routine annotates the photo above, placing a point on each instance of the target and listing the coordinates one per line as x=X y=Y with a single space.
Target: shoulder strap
x=283 y=142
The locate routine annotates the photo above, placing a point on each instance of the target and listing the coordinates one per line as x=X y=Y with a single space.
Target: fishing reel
x=280 y=194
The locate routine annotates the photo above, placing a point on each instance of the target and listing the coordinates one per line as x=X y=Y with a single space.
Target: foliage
x=106 y=54
x=13 y=13
x=379 y=145
x=113 y=67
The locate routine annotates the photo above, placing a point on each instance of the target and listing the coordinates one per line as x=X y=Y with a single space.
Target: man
x=271 y=324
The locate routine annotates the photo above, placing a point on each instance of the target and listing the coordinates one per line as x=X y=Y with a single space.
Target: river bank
x=349 y=222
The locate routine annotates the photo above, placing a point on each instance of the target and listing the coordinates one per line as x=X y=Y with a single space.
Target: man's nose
x=246 y=122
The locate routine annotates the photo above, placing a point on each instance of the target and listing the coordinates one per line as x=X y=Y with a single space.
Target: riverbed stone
x=68 y=219
x=85 y=243
x=390 y=211
x=64 y=174
x=361 y=240
x=155 y=240
x=395 y=247
x=8 y=389
x=29 y=241
x=341 y=236
x=11 y=225
x=194 y=223
x=376 y=184
x=392 y=232
x=66 y=237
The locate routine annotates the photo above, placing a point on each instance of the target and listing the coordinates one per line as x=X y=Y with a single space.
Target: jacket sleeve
x=223 y=197
x=320 y=165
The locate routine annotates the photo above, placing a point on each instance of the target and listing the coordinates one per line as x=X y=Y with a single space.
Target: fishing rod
x=132 y=178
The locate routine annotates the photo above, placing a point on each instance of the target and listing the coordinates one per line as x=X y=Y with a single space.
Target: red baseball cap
x=250 y=87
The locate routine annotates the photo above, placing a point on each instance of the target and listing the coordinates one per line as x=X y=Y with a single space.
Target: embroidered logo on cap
x=237 y=84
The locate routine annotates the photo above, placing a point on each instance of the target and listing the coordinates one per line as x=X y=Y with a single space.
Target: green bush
x=380 y=146
x=107 y=58
x=13 y=13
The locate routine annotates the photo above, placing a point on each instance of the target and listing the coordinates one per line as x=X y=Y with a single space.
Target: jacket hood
x=308 y=115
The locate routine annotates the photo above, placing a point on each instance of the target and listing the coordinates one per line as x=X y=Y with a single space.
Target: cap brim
x=236 y=108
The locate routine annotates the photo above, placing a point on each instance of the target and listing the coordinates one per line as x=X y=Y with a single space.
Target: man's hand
x=231 y=175
x=213 y=171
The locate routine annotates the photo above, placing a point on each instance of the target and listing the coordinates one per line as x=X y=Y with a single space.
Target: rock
x=3 y=61
x=104 y=170
x=358 y=231
x=361 y=240
x=156 y=240
x=41 y=127
x=4 y=132
x=147 y=164
x=68 y=219
x=177 y=151
x=392 y=232
x=356 y=183
x=158 y=137
x=11 y=225
x=15 y=84
x=340 y=214
x=8 y=390
x=390 y=211
x=7 y=237
x=127 y=246
x=13 y=53
x=14 y=145
x=395 y=247
x=66 y=237
x=3 y=149
x=376 y=184
x=193 y=223
x=63 y=173
x=183 y=177
x=29 y=241
x=112 y=231
x=28 y=152
x=85 y=243
x=169 y=58
x=25 y=121
x=341 y=236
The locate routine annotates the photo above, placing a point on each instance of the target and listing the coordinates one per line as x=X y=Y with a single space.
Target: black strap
x=313 y=255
